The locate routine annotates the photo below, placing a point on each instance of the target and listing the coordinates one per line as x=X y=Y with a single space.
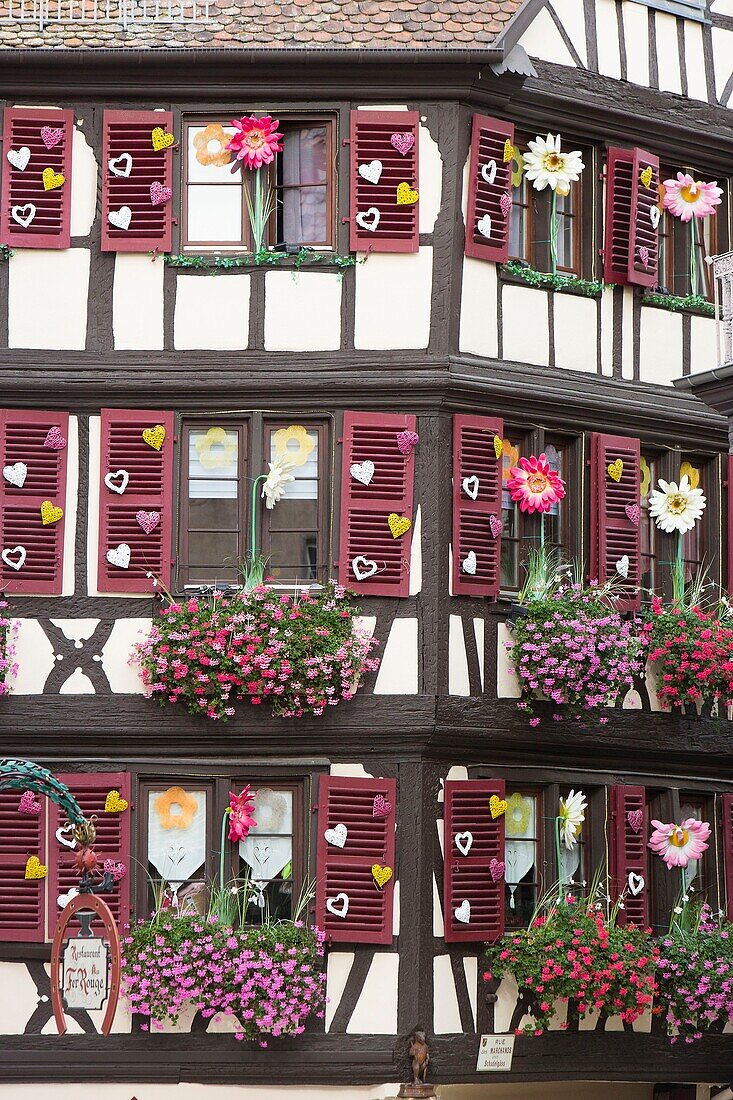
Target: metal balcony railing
x=723 y=271
x=47 y=13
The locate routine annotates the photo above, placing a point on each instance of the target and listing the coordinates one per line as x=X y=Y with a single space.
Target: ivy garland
x=266 y=257
x=5 y=253
x=590 y=288
x=674 y=303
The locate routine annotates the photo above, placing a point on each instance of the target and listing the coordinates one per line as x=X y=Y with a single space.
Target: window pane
x=267 y=856
x=214 y=513
x=177 y=841
x=510 y=518
x=521 y=858
x=553 y=518
x=214 y=214
x=304 y=155
x=215 y=549
x=208 y=159
x=304 y=215
x=518 y=222
x=565 y=231
x=292 y=550
x=647 y=525
x=213 y=451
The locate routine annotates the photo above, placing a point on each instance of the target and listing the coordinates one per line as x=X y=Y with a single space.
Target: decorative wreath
x=225 y=453
x=691 y=472
x=175 y=796
x=218 y=157
x=298 y=434
x=646 y=477
x=518 y=812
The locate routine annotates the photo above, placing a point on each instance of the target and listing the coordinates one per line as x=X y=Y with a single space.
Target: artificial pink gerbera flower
x=678 y=844
x=256 y=140
x=535 y=485
x=240 y=814
x=686 y=197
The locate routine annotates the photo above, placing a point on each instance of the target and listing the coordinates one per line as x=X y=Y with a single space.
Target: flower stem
x=553 y=232
x=558 y=853
x=221 y=850
x=693 y=259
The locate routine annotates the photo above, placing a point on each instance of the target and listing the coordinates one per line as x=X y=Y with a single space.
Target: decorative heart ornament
x=497 y=806
x=496 y=526
x=14 y=557
x=505 y=202
x=633 y=511
x=622 y=566
x=147 y=520
x=498 y=446
x=402 y=143
x=16 y=474
x=154 y=437
x=381 y=807
x=488 y=172
x=464 y=842
x=63 y=899
x=508 y=151
x=497 y=868
x=372 y=171
x=646 y=175
x=337 y=836
x=54 y=440
x=19 y=157
x=635 y=819
x=121 y=165
x=406 y=196
x=463 y=912
x=636 y=883
x=34 y=868
x=471 y=486
x=339 y=905
x=398 y=525
x=654 y=216
x=50 y=513
x=113 y=804
x=119 y=556
x=52 y=180
x=117 y=482
x=363 y=568
x=381 y=875
x=161 y=139
x=484 y=226
x=368 y=219
x=51 y=136
x=62 y=838
x=469 y=563
x=115 y=868
x=615 y=469
x=407 y=442
x=29 y=804
x=159 y=194
x=362 y=471
x=644 y=255
x=121 y=218
x=23 y=215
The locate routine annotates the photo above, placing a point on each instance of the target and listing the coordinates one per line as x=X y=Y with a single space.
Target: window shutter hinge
x=345 y=221
x=340 y=439
x=346 y=141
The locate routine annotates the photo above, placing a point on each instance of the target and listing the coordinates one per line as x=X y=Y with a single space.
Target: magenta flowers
x=678 y=844
x=534 y=485
x=241 y=807
x=256 y=140
x=687 y=198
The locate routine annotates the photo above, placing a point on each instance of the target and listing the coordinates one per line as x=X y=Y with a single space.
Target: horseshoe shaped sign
x=85 y=969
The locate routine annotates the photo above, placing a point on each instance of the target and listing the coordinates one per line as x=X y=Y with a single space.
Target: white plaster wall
x=212 y=312
x=576 y=333
x=458 y=683
x=570 y=14
x=660 y=352
x=47 y=298
x=124 y=678
x=525 y=326
x=723 y=59
x=609 y=58
x=18 y=1002
x=542 y=39
x=507 y=684
x=376 y=1009
x=478 y=630
x=668 y=58
x=627 y=343
x=398 y=669
x=303 y=311
x=70 y=507
x=438 y=924
x=695 y=60
x=137 y=303
x=156 y=1091
x=35 y=657
x=393 y=300
x=338 y=968
x=83 y=185
x=607 y=331
x=636 y=36
x=446 y=1016
x=703 y=344
x=416 y=554
x=430 y=165
x=351 y=771
x=478 y=333
x=470 y=966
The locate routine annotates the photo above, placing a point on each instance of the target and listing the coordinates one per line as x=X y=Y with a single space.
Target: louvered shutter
x=371 y=140
x=23 y=434
x=365 y=508
x=22 y=901
x=727 y=836
x=467 y=878
x=90 y=789
x=489 y=190
x=150 y=489
x=474 y=456
x=370 y=840
x=628 y=846
x=50 y=226
x=150 y=226
x=613 y=533
x=631 y=244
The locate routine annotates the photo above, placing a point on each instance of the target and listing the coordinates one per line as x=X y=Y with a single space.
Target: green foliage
x=265 y=257
x=589 y=288
x=675 y=303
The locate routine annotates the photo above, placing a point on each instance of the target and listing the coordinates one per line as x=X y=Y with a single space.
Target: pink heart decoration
x=51 y=136
x=402 y=143
x=644 y=255
x=147 y=520
x=505 y=202
x=407 y=442
x=497 y=868
x=117 y=870
x=635 y=819
x=29 y=804
x=159 y=194
x=633 y=511
x=496 y=526
x=381 y=808
x=54 y=440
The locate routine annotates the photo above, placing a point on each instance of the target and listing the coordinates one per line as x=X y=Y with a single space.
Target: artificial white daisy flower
x=676 y=507
x=572 y=816
x=274 y=485
x=546 y=165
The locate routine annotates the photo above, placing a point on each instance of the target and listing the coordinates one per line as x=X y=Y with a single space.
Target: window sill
x=692 y=303
x=308 y=258
x=516 y=274
x=677 y=7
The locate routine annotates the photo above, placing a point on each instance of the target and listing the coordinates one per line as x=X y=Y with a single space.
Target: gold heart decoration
x=50 y=513
x=497 y=806
x=35 y=869
x=498 y=446
x=398 y=525
x=154 y=437
x=406 y=196
x=615 y=469
x=381 y=875
x=508 y=151
x=113 y=804
x=160 y=139
x=646 y=175
x=52 y=180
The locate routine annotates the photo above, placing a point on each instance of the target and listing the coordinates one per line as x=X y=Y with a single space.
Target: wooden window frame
x=299 y=858
x=542 y=842
x=676 y=279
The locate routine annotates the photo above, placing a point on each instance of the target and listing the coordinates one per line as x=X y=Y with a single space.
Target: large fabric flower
x=687 y=198
x=676 y=507
x=535 y=485
x=241 y=807
x=678 y=844
x=572 y=815
x=273 y=488
x=256 y=140
x=547 y=166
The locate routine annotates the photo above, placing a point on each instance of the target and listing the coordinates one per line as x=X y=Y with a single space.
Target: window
x=649 y=540
x=697 y=875
x=268 y=854
x=523 y=822
x=694 y=542
x=522 y=531
x=675 y=241
x=575 y=867
x=302 y=179
x=178 y=841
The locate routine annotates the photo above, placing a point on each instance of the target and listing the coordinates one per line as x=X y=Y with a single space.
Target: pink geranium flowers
x=241 y=808
x=256 y=140
x=678 y=844
x=534 y=485
x=687 y=198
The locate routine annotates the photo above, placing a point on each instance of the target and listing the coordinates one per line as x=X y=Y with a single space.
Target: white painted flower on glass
x=545 y=165
x=572 y=815
x=276 y=481
x=676 y=507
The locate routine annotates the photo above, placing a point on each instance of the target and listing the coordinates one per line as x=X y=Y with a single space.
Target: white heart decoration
x=23 y=215
x=488 y=171
x=362 y=471
x=371 y=172
x=622 y=566
x=332 y=904
x=16 y=474
x=8 y=559
x=484 y=226
x=654 y=215
x=119 y=556
x=121 y=218
x=364 y=222
x=71 y=843
x=470 y=486
x=19 y=157
x=363 y=567
x=463 y=912
x=337 y=835
x=111 y=479
x=64 y=899
x=636 y=883
x=116 y=169
x=464 y=842
x=469 y=563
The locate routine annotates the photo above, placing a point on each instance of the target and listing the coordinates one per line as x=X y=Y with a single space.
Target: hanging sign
x=85 y=968
x=495 y=1053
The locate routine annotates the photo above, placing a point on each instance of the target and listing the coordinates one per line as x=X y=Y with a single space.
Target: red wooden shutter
x=631 y=244
x=365 y=508
x=727 y=834
x=613 y=533
x=51 y=224
x=90 y=789
x=371 y=140
x=485 y=199
x=150 y=489
x=629 y=853
x=467 y=878
x=370 y=840
x=22 y=901
x=150 y=226
x=23 y=435
x=474 y=456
